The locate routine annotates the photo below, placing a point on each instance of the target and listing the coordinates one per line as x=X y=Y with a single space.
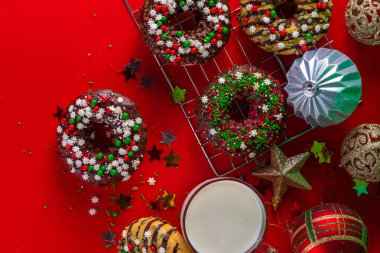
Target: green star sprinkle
x=178 y=95
x=321 y=152
x=360 y=187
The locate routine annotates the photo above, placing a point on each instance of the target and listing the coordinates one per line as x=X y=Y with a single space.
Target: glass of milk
x=223 y=215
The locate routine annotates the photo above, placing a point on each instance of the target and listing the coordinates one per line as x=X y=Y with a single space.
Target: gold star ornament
x=284 y=172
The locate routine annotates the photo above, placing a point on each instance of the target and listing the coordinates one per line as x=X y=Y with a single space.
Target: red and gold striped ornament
x=329 y=228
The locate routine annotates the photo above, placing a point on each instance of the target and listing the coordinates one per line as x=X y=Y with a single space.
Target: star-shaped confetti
x=95 y=200
x=178 y=94
x=168 y=138
x=155 y=153
x=124 y=202
x=109 y=237
x=146 y=82
x=360 y=187
x=167 y=200
x=58 y=113
x=172 y=159
x=131 y=68
x=262 y=187
x=154 y=205
x=284 y=172
x=321 y=152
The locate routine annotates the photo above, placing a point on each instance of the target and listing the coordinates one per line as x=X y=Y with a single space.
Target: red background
x=50 y=51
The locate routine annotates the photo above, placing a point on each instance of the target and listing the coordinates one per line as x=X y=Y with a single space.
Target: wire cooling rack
x=220 y=162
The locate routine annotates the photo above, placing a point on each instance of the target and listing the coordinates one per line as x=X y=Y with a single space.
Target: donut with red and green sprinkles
x=171 y=44
x=259 y=129
x=124 y=129
x=264 y=26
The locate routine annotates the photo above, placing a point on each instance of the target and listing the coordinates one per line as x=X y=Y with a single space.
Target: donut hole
x=185 y=21
x=239 y=109
x=286 y=9
x=101 y=138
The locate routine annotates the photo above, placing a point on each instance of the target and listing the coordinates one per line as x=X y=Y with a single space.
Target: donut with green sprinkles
x=252 y=132
x=172 y=44
x=125 y=132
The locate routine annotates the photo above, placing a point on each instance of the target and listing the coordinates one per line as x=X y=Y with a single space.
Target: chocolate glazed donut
x=263 y=123
x=285 y=36
x=126 y=131
x=171 y=44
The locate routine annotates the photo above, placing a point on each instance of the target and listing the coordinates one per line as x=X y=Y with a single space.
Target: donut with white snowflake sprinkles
x=125 y=130
x=245 y=136
x=295 y=35
x=173 y=45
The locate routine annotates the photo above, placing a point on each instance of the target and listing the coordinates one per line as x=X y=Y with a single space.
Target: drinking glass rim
x=201 y=186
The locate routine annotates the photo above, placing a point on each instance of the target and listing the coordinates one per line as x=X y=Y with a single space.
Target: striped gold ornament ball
x=329 y=228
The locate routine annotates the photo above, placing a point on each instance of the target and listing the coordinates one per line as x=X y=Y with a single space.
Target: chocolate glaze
x=199 y=33
x=108 y=121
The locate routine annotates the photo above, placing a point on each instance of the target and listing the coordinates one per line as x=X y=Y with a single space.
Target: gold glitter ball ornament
x=284 y=172
x=361 y=152
x=363 y=21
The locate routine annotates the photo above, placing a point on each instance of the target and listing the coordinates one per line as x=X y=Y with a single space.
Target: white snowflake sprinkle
x=136 y=137
x=151 y=181
x=69 y=161
x=281 y=27
x=92 y=211
x=212 y=131
x=253 y=133
x=137 y=242
x=147 y=234
x=204 y=99
x=317 y=28
x=97 y=178
x=243 y=146
x=95 y=200
x=239 y=75
x=81 y=142
x=153 y=13
x=221 y=80
x=314 y=14
x=304 y=28
x=85 y=177
x=267 y=81
x=326 y=26
x=265 y=20
x=252 y=155
x=252 y=29
x=280 y=45
x=279 y=116
x=265 y=108
x=302 y=42
x=272 y=37
x=206 y=10
x=295 y=34
x=161 y=250
x=59 y=129
x=169 y=44
x=120 y=100
x=124 y=233
x=138 y=120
